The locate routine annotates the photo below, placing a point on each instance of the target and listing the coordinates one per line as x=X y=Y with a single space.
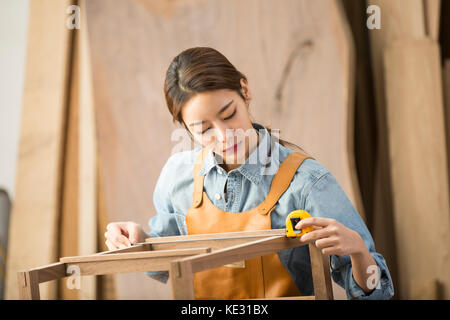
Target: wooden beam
x=40 y=157
x=135 y=255
x=320 y=267
x=415 y=114
x=399 y=19
x=224 y=235
x=87 y=174
x=241 y=252
x=446 y=86
x=432 y=9
x=129 y=265
x=28 y=285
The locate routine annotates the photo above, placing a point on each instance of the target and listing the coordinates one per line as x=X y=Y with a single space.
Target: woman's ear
x=245 y=90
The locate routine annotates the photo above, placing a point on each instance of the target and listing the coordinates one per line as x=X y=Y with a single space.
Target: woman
x=228 y=184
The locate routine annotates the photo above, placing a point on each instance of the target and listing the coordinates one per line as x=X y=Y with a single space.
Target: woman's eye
x=231 y=115
x=204 y=131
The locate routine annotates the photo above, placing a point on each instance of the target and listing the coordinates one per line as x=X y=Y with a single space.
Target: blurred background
x=363 y=86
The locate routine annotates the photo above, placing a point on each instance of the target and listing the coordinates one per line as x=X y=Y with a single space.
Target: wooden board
x=87 y=175
x=432 y=10
x=415 y=115
x=365 y=126
x=34 y=219
x=106 y=283
x=446 y=86
x=302 y=50
x=402 y=18
x=68 y=225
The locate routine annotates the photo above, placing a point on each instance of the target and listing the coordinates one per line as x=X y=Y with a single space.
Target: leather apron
x=261 y=277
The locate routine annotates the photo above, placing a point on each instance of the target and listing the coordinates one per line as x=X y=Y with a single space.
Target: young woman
x=243 y=178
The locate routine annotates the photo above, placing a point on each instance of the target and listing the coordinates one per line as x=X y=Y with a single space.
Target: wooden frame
x=182 y=256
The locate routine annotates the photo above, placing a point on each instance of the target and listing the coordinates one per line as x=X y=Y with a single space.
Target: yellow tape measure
x=292 y=219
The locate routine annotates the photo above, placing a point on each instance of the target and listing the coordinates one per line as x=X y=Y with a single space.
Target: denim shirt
x=313 y=188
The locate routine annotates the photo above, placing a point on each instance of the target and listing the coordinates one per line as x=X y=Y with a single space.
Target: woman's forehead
x=209 y=102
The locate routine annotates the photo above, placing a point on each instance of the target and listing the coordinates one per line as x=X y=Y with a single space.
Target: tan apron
x=262 y=277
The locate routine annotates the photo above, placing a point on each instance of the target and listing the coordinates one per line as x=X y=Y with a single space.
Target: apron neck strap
x=282 y=180
x=198 y=180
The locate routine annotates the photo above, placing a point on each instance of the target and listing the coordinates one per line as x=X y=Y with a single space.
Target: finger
x=316 y=235
x=326 y=242
x=118 y=234
x=110 y=245
x=333 y=250
x=133 y=232
x=120 y=241
x=313 y=221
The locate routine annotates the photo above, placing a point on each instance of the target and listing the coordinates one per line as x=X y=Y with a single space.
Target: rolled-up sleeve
x=163 y=224
x=325 y=198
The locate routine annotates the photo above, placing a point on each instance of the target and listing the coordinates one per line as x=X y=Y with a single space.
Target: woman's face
x=220 y=119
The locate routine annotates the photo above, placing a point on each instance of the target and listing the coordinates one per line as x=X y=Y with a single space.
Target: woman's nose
x=223 y=134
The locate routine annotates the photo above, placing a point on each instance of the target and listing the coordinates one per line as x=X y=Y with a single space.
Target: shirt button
x=217 y=196
x=219 y=171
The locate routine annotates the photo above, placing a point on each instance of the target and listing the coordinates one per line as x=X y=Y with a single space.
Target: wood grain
x=34 y=219
x=135 y=255
x=432 y=9
x=446 y=86
x=400 y=19
x=415 y=115
x=87 y=175
x=320 y=266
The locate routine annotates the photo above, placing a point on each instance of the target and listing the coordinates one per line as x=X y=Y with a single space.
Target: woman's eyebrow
x=225 y=107
x=221 y=110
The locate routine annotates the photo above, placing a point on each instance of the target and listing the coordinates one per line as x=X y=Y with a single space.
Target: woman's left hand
x=332 y=237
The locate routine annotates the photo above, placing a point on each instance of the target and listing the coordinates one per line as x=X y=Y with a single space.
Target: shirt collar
x=258 y=163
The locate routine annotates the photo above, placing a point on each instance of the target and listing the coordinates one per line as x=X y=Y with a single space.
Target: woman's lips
x=232 y=149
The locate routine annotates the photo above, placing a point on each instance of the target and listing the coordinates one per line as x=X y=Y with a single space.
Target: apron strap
x=198 y=180
x=282 y=180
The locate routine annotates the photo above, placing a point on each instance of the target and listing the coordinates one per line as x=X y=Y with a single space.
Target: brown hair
x=201 y=69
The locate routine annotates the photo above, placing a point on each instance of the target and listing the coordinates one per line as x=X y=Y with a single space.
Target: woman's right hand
x=123 y=234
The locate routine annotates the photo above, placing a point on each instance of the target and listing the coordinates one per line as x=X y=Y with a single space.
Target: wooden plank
x=136 y=248
x=28 y=285
x=320 y=266
x=135 y=255
x=68 y=227
x=241 y=252
x=399 y=19
x=446 y=86
x=432 y=9
x=39 y=167
x=104 y=267
x=415 y=117
x=50 y=272
x=87 y=217
x=182 y=280
x=223 y=235
x=365 y=126
x=107 y=283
